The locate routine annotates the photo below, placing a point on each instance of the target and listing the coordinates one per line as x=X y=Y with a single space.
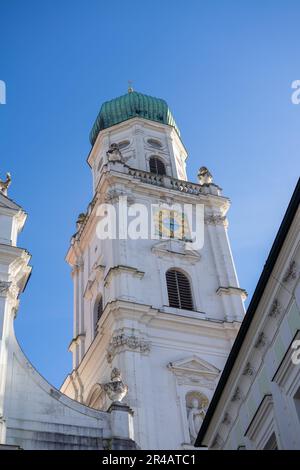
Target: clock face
x=170 y=224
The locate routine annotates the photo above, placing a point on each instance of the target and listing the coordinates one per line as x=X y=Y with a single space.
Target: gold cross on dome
x=130 y=87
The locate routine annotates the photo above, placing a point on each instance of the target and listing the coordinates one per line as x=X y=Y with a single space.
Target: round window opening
x=154 y=143
x=123 y=144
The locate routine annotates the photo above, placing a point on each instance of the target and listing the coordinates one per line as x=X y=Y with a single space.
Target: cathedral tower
x=163 y=311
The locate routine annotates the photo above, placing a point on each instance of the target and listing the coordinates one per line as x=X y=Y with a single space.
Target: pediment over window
x=195 y=366
x=177 y=248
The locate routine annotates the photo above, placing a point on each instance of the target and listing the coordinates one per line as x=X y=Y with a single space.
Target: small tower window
x=157 y=166
x=122 y=145
x=154 y=143
x=179 y=290
x=97 y=314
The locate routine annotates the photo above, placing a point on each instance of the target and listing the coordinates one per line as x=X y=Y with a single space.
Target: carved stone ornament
x=4 y=185
x=215 y=219
x=4 y=287
x=261 y=341
x=114 y=154
x=226 y=419
x=116 y=390
x=204 y=176
x=114 y=195
x=123 y=341
x=248 y=369
x=275 y=309
x=237 y=395
x=291 y=272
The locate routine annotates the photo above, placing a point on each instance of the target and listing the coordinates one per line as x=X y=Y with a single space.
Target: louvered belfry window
x=179 y=290
x=98 y=313
x=157 y=166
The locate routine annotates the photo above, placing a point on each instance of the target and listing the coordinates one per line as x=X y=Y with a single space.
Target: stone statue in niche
x=114 y=154
x=196 y=409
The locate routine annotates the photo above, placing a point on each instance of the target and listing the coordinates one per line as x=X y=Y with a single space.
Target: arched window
x=97 y=313
x=179 y=290
x=157 y=166
x=97 y=398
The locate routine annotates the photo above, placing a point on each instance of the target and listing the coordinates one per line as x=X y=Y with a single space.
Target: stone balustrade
x=166 y=181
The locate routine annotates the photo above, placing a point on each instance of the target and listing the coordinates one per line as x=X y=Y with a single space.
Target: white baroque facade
x=33 y=414
x=170 y=357
x=257 y=402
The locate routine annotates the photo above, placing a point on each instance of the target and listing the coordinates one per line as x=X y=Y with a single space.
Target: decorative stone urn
x=116 y=390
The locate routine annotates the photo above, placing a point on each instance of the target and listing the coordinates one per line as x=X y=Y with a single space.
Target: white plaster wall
x=267 y=402
x=39 y=417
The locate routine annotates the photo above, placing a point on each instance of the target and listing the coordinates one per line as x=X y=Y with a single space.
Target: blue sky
x=224 y=67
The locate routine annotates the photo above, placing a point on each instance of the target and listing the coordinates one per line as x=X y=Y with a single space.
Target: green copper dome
x=131 y=105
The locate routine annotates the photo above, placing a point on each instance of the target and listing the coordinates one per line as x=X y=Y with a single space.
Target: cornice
x=76 y=341
x=146 y=314
x=229 y=290
x=122 y=269
x=171 y=248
